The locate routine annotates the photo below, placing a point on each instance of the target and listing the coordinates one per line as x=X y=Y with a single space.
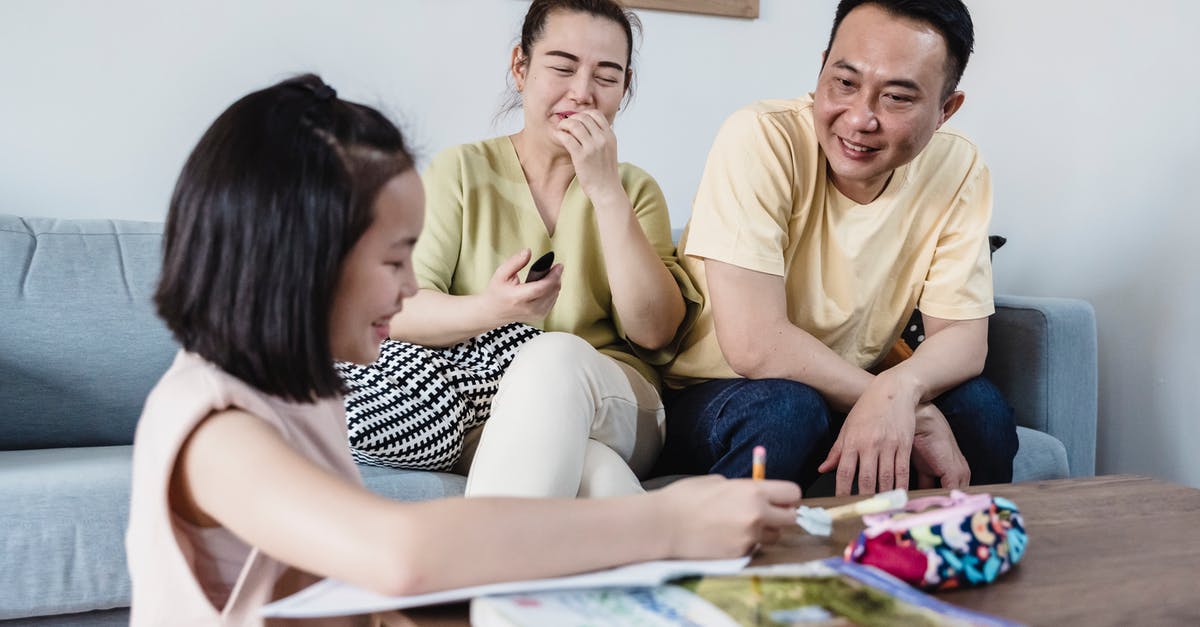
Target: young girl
x=586 y=395
x=288 y=245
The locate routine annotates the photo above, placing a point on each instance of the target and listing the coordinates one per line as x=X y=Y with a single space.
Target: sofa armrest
x=1042 y=356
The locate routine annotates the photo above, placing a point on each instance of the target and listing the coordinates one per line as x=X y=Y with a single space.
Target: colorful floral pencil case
x=939 y=543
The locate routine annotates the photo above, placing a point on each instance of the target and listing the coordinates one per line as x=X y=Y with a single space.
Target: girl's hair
x=535 y=26
x=269 y=203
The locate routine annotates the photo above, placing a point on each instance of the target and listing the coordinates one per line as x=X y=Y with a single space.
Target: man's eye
x=562 y=70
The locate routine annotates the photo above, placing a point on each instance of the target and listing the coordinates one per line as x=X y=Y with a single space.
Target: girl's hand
x=510 y=300
x=590 y=141
x=713 y=517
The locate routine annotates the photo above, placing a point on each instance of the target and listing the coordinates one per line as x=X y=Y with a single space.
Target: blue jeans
x=713 y=427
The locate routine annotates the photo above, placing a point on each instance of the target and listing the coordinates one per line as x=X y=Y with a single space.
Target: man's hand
x=876 y=439
x=935 y=453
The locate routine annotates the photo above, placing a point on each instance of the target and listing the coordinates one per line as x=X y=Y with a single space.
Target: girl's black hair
x=268 y=204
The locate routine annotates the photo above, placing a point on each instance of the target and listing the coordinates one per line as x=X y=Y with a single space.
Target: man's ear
x=519 y=66
x=952 y=104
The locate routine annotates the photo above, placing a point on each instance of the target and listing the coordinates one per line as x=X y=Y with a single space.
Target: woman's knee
x=552 y=358
x=554 y=349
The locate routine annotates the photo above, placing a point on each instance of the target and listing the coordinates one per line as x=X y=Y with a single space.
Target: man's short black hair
x=268 y=204
x=948 y=17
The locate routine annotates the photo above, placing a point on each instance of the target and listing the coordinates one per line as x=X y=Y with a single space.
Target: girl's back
x=186 y=574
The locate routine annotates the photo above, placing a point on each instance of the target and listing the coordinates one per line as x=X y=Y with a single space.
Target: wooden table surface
x=1111 y=550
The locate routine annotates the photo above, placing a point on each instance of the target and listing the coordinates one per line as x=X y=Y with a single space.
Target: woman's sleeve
x=435 y=257
x=650 y=208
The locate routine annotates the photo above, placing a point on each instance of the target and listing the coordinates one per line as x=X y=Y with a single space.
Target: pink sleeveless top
x=187 y=575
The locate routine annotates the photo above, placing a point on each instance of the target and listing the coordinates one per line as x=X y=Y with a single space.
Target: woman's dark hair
x=535 y=26
x=278 y=190
x=950 y=18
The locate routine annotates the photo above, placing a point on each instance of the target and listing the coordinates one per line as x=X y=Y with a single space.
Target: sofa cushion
x=64 y=518
x=1040 y=457
x=80 y=344
x=412 y=485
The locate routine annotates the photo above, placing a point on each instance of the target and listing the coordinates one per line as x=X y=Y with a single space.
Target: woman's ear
x=519 y=66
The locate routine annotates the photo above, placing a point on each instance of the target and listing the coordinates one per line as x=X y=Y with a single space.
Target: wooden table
x=1113 y=550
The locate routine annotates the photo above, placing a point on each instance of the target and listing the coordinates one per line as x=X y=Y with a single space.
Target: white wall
x=1086 y=111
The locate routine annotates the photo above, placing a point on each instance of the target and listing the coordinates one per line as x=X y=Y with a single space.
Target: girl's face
x=377 y=274
x=578 y=64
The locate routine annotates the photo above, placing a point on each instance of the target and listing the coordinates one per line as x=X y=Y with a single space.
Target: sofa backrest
x=80 y=344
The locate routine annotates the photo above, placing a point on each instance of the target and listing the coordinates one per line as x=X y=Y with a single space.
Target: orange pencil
x=758 y=472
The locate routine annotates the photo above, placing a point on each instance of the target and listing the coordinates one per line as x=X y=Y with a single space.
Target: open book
x=335 y=598
x=829 y=592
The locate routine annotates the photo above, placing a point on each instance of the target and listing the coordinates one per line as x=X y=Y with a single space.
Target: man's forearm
x=948 y=357
x=789 y=352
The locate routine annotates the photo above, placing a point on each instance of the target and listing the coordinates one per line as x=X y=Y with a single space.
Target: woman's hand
x=590 y=141
x=510 y=300
x=714 y=517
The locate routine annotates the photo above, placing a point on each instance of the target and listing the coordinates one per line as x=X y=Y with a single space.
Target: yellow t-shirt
x=480 y=212
x=853 y=273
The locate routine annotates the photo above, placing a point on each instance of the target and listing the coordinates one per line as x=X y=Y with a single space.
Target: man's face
x=879 y=98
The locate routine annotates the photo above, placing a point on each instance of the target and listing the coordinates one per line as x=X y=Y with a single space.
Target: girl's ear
x=519 y=66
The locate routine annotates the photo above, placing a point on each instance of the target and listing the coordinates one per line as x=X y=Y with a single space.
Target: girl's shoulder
x=190 y=390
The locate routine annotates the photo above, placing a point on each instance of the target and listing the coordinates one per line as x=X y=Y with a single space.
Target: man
x=819 y=224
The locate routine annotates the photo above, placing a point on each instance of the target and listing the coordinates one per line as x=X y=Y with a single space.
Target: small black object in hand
x=540 y=268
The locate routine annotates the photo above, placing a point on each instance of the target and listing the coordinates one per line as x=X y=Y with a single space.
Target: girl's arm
x=237 y=471
x=644 y=293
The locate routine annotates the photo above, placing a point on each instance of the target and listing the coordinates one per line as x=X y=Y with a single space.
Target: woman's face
x=578 y=64
x=377 y=273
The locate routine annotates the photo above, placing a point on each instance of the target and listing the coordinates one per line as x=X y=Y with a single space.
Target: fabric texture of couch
x=80 y=347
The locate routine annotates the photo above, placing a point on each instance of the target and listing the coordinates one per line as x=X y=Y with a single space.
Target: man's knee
x=786 y=410
x=711 y=420
x=985 y=426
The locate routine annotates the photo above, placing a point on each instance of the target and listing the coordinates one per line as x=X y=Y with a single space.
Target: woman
x=578 y=411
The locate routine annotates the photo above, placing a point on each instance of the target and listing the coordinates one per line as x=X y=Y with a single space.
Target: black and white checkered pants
x=412 y=407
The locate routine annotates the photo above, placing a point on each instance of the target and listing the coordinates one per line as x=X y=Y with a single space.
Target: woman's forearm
x=432 y=318
x=644 y=293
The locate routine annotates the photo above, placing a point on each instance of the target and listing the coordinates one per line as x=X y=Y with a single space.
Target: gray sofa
x=80 y=347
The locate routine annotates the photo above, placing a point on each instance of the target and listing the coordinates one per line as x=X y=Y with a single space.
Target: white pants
x=566 y=421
